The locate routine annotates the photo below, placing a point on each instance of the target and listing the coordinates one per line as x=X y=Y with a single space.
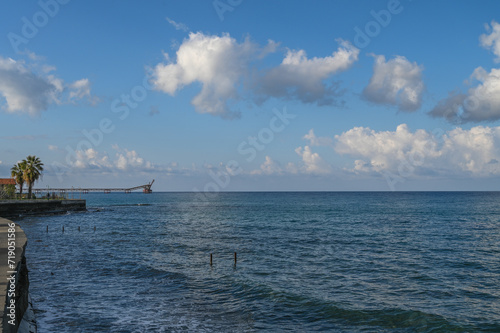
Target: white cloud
x=301 y=78
x=91 y=159
x=450 y=107
x=79 y=89
x=177 y=26
x=23 y=91
x=48 y=68
x=492 y=41
x=396 y=82
x=52 y=147
x=218 y=63
x=222 y=66
x=269 y=167
x=317 y=141
x=313 y=163
x=123 y=160
x=26 y=91
x=480 y=103
x=129 y=159
x=458 y=152
x=33 y=56
x=384 y=150
x=476 y=150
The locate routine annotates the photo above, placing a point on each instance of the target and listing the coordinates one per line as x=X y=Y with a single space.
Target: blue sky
x=233 y=95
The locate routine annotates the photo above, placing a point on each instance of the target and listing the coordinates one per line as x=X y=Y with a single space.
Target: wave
x=290 y=309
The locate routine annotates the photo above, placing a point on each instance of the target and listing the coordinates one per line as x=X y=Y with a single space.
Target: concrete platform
x=16 y=208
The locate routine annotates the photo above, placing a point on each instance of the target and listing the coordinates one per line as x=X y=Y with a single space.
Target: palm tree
x=17 y=172
x=32 y=171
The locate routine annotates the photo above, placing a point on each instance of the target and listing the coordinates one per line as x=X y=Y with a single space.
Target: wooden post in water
x=47 y=228
x=94 y=228
x=235 y=258
x=210 y=259
x=78 y=228
x=63 y=228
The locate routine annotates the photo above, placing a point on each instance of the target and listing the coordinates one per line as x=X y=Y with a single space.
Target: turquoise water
x=352 y=262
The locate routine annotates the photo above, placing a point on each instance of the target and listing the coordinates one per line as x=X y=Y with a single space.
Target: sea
x=305 y=262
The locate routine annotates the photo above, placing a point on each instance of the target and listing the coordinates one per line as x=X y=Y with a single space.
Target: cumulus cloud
x=217 y=62
x=384 y=150
x=480 y=103
x=450 y=107
x=317 y=141
x=302 y=78
x=130 y=159
x=312 y=162
x=396 y=82
x=476 y=150
x=473 y=152
x=91 y=159
x=25 y=91
x=123 y=160
x=491 y=41
x=222 y=66
x=269 y=167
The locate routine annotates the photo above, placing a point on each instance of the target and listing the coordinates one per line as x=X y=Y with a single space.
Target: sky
x=240 y=95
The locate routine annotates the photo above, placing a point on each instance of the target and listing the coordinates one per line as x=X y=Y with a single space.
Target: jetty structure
x=57 y=204
x=145 y=189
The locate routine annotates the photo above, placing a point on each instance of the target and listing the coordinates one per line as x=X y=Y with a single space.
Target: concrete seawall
x=16 y=310
x=15 y=208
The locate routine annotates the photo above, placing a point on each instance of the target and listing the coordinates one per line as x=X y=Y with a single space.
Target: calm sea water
x=376 y=262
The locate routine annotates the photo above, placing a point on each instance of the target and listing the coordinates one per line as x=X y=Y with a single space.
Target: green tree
x=10 y=190
x=17 y=172
x=32 y=172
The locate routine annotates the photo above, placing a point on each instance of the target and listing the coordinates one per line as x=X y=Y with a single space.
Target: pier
x=145 y=189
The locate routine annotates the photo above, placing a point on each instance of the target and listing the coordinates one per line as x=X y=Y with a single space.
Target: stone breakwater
x=17 y=208
x=16 y=311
